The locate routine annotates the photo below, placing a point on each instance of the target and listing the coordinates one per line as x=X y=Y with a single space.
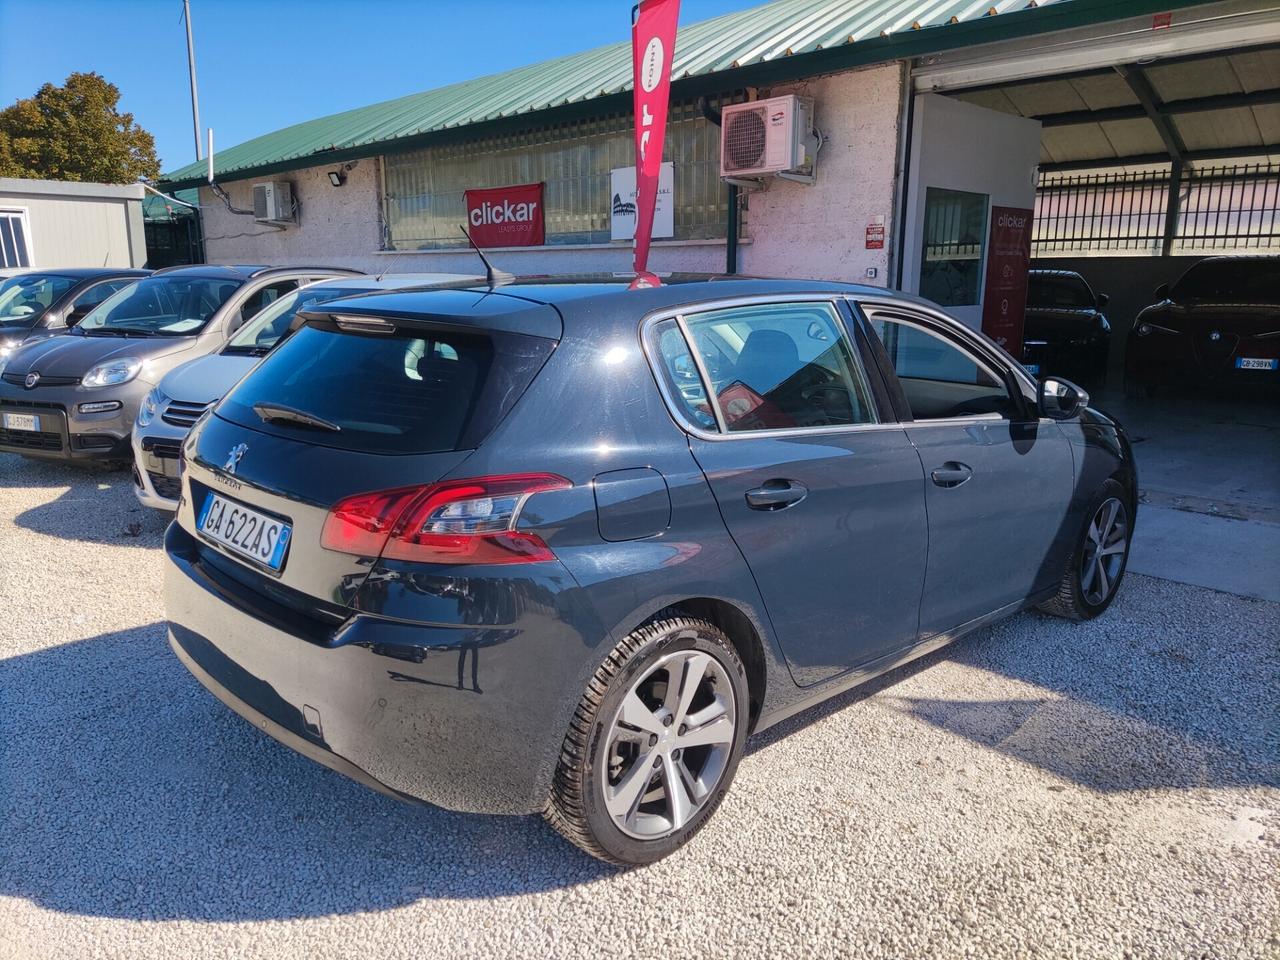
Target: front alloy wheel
x=1105 y=547
x=1101 y=553
x=654 y=743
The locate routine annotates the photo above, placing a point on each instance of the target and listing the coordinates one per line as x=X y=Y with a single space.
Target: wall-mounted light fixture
x=339 y=177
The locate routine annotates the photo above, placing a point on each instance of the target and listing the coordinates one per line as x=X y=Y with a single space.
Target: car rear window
x=414 y=391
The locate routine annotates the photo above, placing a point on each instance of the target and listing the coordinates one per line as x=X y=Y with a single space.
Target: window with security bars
x=15 y=242
x=424 y=190
x=1225 y=208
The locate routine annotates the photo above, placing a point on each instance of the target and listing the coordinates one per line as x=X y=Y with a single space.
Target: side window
x=769 y=367
x=97 y=293
x=939 y=377
x=264 y=297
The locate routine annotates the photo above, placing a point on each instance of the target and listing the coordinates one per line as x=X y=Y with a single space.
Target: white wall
x=793 y=230
x=79 y=224
x=819 y=231
x=960 y=146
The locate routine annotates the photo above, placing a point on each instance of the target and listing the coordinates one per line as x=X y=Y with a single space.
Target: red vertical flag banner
x=653 y=44
x=1004 y=301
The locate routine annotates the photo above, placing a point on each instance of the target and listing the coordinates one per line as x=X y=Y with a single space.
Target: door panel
x=991 y=536
x=998 y=480
x=825 y=503
x=841 y=570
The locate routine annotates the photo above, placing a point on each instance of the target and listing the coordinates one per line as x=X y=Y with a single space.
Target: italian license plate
x=1256 y=363
x=242 y=530
x=22 y=421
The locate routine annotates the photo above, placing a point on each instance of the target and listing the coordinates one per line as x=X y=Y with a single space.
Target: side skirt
x=891 y=661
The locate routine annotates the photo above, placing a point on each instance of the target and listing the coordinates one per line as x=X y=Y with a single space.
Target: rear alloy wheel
x=1094 y=572
x=654 y=743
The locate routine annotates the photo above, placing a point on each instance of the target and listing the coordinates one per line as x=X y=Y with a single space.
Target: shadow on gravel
x=127 y=790
x=98 y=506
x=1164 y=691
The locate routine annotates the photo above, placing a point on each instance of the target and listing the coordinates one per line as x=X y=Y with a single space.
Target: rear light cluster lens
x=459 y=521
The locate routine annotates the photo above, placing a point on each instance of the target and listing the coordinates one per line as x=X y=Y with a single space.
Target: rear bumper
x=466 y=718
x=1177 y=359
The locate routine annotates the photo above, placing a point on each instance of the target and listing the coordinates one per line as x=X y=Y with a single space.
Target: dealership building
x=1128 y=137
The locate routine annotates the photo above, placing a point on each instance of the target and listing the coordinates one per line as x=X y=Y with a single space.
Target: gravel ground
x=1039 y=789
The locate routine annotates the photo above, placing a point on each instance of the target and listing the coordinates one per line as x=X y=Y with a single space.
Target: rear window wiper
x=275 y=412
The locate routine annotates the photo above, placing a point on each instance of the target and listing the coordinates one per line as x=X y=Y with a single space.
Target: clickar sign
x=506 y=216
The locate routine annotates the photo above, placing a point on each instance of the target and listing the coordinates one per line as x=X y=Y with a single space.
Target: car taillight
x=458 y=521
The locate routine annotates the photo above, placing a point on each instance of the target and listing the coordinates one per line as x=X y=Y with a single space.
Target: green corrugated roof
x=825 y=34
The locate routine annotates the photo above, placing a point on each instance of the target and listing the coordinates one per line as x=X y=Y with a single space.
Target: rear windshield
x=415 y=391
x=1231 y=281
x=1064 y=292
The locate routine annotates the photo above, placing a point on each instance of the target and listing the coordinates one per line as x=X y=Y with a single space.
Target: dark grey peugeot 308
x=561 y=546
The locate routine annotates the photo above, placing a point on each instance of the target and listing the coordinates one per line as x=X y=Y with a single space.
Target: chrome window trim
x=675 y=408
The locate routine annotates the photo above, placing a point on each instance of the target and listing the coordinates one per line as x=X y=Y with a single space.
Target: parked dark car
x=42 y=303
x=74 y=397
x=560 y=547
x=1218 y=324
x=1066 y=334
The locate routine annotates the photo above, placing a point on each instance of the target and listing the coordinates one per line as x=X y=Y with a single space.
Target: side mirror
x=1162 y=292
x=1103 y=300
x=1060 y=399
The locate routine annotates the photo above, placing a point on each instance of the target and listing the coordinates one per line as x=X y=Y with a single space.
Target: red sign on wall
x=875 y=236
x=506 y=216
x=1004 y=299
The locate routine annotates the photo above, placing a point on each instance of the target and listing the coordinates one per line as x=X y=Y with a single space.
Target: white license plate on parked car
x=247 y=532
x=1256 y=363
x=22 y=421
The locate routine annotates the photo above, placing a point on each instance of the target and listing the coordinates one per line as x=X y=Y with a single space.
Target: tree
x=75 y=132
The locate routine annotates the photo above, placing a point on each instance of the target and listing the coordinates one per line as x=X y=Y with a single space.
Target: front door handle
x=776 y=495
x=952 y=474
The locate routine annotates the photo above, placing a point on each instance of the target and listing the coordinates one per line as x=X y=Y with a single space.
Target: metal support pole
x=1172 y=206
x=731 y=231
x=191 y=70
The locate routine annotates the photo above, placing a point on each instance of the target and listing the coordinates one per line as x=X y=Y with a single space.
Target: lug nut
x=653 y=739
x=675 y=754
x=666 y=721
x=683 y=730
x=657 y=762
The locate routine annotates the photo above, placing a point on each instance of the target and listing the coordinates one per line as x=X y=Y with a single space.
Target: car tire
x=603 y=799
x=1081 y=595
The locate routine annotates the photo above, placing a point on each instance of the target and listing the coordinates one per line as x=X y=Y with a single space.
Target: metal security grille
x=423 y=190
x=1223 y=208
x=1231 y=208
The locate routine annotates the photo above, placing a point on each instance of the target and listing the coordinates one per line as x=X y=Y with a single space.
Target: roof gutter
x=898 y=46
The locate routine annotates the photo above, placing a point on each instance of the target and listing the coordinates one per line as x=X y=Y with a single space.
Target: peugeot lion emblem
x=32 y=379
x=233 y=458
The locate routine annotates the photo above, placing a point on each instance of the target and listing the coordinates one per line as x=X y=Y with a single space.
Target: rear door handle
x=776 y=495
x=952 y=474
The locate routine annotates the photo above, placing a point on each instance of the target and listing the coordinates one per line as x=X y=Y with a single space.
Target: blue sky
x=266 y=64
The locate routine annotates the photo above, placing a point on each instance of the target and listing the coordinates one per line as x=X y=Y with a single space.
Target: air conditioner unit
x=273 y=202
x=768 y=138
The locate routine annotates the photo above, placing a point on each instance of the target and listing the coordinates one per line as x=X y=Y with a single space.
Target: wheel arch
x=742 y=633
